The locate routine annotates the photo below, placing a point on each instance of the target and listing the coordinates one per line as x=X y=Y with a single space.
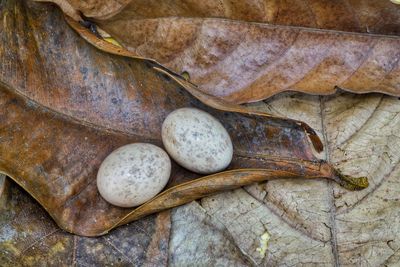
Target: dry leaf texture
x=66 y=105
x=310 y=222
x=306 y=46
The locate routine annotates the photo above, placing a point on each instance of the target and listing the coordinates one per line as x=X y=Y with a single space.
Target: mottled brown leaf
x=66 y=105
x=29 y=237
x=307 y=46
x=363 y=16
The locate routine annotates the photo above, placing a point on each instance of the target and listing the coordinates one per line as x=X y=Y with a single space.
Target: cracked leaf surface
x=309 y=221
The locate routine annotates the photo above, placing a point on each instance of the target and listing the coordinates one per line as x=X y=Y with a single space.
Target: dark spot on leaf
x=115 y=101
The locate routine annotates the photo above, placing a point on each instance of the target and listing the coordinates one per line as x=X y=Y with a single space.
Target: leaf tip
x=315 y=140
x=352 y=183
x=317 y=143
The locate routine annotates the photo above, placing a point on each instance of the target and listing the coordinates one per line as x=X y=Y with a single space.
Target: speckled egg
x=133 y=174
x=197 y=141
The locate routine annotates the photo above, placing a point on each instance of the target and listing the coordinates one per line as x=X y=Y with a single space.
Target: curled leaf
x=313 y=48
x=65 y=105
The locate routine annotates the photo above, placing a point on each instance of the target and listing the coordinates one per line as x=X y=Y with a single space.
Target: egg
x=133 y=174
x=197 y=141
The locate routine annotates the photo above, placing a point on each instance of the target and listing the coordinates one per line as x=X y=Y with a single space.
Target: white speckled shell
x=133 y=174
x=197 y=140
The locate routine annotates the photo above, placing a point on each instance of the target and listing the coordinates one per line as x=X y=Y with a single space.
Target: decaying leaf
x=303 y=217
x=309 y=221
x=363 y=16
x=3 y=191
x=72 y=104
x=331 y=226
x=28 y=237
x=312 y=47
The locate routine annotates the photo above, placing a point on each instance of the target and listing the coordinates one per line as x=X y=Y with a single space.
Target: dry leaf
x=72 y=105
x=310 y=47
x=363 y=16
x=307 y=224
x=29 y=237
x=309 y=221
x=318 y=223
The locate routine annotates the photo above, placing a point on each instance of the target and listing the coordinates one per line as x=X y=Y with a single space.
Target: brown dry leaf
x=363 y=16
x=307 y=46
x=72 y=104
x=3 y=186
x=306 y=224
x=29 y=237
x=310 y=222
x=318 y=223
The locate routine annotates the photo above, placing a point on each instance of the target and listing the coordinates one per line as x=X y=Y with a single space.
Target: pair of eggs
x=135 y=173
